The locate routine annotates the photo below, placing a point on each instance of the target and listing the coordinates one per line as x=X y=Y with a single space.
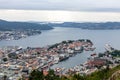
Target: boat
x=108 y=48
x=94 y=54
x=63 y=57
x=89 y=48
x=56 y=60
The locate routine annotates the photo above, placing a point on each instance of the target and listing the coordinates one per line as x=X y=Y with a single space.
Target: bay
x=58 y=34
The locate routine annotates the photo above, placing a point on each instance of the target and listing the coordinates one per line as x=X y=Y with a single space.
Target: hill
x=6 y=25
x=89 y=25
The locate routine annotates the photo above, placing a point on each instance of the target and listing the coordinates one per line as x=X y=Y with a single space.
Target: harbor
x=95 y=62
x=39 y=43
x=21 y=61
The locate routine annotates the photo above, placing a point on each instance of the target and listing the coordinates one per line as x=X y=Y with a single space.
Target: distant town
x=15 y=35
x=17 y=30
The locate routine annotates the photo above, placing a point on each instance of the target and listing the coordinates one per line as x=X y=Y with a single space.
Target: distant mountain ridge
x=89 y=25
x=7 y=25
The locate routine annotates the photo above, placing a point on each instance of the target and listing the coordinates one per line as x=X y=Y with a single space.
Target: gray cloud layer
x=79 y=5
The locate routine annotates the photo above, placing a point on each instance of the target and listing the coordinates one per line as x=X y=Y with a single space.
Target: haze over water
x=58 y=15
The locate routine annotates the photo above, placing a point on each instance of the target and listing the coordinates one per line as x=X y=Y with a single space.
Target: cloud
x=78 y=5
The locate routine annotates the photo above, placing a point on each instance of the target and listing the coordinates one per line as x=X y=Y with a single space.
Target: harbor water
x=58 y=34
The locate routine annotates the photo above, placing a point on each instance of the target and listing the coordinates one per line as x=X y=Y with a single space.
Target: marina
x=59 y=34
x=79 y=54
x=22 y=61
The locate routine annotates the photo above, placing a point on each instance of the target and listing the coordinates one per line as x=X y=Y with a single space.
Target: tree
x=5 y=77
x=78 y=77
x=5 y=59
x=51 y=76
x=36 y=75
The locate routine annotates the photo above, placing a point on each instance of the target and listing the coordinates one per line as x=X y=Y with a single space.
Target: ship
x=108 y=48
x=63 y=57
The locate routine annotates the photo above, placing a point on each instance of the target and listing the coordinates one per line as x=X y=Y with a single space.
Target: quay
x=16 y=61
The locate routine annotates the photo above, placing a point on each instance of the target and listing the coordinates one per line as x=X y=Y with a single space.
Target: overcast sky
x=79 y=5
x=60 y=10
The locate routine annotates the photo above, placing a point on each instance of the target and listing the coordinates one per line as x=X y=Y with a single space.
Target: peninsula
x=17 y=30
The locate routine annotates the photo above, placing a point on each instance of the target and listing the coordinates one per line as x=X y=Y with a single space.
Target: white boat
x=56 y=60
x=108 y=48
